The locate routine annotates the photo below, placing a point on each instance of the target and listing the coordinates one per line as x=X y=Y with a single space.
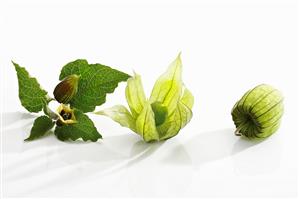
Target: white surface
x=227 y=48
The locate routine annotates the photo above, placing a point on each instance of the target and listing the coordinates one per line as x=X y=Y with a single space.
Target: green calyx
x=164 y=114
x=258 y=113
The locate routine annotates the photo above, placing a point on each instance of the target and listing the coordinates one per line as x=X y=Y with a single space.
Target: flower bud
x=66 y=89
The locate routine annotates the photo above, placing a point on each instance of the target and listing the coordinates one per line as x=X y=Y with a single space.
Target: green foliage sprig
x=83 y=86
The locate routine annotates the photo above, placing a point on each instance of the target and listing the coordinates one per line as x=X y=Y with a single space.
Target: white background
x=227 y=48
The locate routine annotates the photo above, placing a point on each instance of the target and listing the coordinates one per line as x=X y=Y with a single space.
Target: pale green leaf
x=135 y=95
x=119 y=114
x=168 y=87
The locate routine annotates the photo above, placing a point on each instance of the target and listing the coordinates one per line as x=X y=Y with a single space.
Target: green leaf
x=96 y=81
x=168 y=87
x=135 y=95
x=84 y=128
x=145 y=124
x=31 y=95
x=121 y=115
x=41 y=126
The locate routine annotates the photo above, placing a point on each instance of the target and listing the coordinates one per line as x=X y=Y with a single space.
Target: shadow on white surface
x=10 y=118
x=162 y=173
x=262 y=156
x=210 y=146
x=105 y=162
x=263 y=159
x=51 y=165
x=180 y=162
x=174 y=165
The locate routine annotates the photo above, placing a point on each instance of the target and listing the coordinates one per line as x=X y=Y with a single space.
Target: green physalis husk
x=258 y=113
x=164 y=114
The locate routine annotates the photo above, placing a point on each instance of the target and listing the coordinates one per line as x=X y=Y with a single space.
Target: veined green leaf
x=121 y=115
x=168 y=87
x=96 y=80
x=31 y=95
x=135 y=95
x=41 y=126
x=84 y=128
